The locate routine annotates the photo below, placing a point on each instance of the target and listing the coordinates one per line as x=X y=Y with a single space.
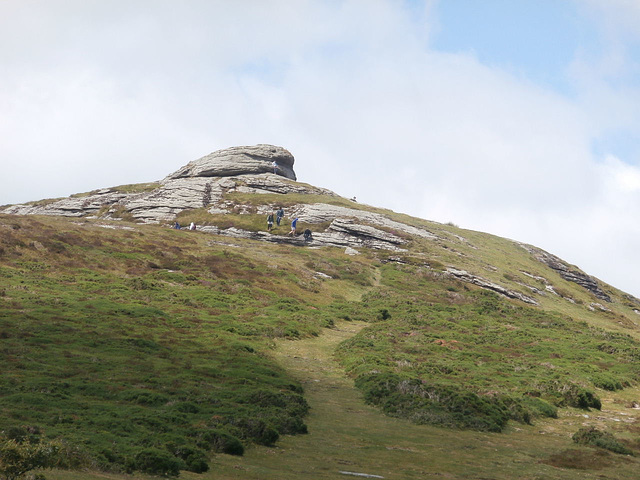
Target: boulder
x=239 y=161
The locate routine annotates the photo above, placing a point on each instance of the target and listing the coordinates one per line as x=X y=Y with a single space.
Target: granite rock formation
x=240 y=161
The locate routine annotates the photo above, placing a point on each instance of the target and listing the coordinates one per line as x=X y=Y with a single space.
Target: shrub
x=197 y=464
x=571 y=395
x=607 y=382
x=195 y=459
x=517 y=410
x=540 y=407
x=18 y=458
x=221 y=442
x=21 y=434
x=158 y=462
x=257 y=430
x=591 y=436
x=432 y=403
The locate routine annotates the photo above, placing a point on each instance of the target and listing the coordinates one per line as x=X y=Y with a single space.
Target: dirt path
x=347 y=437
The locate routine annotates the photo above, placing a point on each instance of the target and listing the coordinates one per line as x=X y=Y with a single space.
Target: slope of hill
x=145 y=348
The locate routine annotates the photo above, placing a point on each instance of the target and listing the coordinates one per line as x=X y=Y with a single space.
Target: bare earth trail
x=347 y=437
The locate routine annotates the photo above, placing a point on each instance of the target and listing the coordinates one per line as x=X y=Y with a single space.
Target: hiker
x=279 y=215
x=307 y=235
x=354 y=199
x=293 y=227
x=270 y=221
x=192 y=226
x=176 y=226
x=275 y=166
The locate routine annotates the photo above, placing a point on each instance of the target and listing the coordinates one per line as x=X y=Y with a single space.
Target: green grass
x=471 y=359
x=148 y=346
x=117 y=344
x=347 y=435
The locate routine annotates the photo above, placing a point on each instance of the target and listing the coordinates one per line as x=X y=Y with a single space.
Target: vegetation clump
x=432 y=403
x=22 y=451
x=593 y=437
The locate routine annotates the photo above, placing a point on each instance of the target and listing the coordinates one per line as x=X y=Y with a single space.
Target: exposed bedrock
x=240 y=161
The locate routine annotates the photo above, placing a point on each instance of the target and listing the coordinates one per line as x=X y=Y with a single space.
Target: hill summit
x=138 y=347
x=231 y=191
x=200 y=183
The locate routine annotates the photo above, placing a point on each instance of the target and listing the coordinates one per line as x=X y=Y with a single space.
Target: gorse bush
x=220 y=441
x=157 y=462
x=433 y=404
x=570 y=394
x=593 y=437
x=22 y=454
x=539 y=407
x=608 y=382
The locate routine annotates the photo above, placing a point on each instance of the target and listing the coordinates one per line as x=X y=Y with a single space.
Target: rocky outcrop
x=240 y=161
x=201 y=183
x=568 y=273
x=77 y=206
x=322 y=212
x=341 y=233
x=481 y=282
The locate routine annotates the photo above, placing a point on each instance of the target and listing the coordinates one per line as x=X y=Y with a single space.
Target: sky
x=519 y=118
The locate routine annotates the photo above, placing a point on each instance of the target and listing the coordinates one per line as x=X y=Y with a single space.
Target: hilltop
x=145 y=348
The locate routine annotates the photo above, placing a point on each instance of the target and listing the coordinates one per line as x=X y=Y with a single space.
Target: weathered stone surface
x=322 y=212
x=239 y=161
x=365 y=234
x=174 y=196
x=277 y=184
x=69 y=207
x=481 y=282
x=170 y=198
x=344 y=235
x=568 y=273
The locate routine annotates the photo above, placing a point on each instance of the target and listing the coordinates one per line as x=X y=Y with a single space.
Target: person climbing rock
x=293 y=227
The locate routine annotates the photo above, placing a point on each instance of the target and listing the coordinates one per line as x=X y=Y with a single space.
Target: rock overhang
x=243 y=160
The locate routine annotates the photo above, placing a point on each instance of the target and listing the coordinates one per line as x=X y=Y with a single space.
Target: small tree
x=18 y=458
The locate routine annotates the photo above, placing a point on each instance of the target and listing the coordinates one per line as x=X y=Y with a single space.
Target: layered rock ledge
x=240 y=161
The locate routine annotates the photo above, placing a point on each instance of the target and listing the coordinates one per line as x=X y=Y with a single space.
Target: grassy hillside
x=123 y=341
x=147 y=349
